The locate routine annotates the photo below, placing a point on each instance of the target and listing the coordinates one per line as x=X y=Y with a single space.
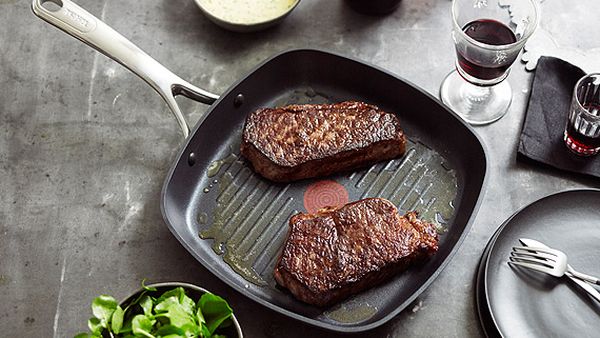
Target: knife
x=587 y=287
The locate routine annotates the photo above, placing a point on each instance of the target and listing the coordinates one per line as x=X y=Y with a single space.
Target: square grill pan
x=234 y=222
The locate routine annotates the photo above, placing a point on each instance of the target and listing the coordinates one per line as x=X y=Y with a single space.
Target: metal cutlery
x=548 y=260
x=531 y=244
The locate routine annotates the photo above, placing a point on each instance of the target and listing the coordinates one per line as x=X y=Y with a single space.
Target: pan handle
x=82 y=25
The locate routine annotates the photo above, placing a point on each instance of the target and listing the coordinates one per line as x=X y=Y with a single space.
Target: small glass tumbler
x=582 y=133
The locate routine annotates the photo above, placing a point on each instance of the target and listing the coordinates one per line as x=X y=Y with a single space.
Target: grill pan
x=234 y=222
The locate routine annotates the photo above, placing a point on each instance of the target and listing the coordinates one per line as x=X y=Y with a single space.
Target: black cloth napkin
x=542 y=135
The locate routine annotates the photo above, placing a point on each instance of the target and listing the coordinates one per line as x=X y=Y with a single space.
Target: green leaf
x=200 y=316
x=142 y=325
x=191 y=329
x=226 y=323
x=83 y=335
x=146 y=304
x=177 y=315
x=126 y=326
x=177 y=297
x=147 y=288
x=167 y=330
x=205 y=332
x=178 y=293
x=95 y=326
x=88 y=335
x=215 y=310
x=165 y=304
x=137 y=300
x=103 y=308
x=188 y=304
x=116 y=321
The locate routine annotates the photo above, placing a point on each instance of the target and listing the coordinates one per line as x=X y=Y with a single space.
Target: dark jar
x=374 y=7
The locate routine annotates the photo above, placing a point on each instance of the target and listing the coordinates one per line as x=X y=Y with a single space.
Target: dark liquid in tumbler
x=490 y=32
x=579 y=139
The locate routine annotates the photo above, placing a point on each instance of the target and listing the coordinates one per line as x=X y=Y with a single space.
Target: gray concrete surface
x=85 y=146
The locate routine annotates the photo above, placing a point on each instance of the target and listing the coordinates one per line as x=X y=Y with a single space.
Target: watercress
x=172 y=314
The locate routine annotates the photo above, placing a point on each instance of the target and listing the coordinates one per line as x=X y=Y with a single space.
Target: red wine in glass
x=584 y=138
x=580 y=140
x=490 y=32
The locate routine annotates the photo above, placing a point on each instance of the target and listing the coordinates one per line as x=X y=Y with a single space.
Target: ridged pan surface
x=235 y=222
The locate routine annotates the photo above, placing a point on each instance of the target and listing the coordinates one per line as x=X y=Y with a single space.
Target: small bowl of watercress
x=170 y=309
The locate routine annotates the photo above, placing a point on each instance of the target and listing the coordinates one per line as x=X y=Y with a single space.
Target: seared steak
x=335 y=253
x=301 y=141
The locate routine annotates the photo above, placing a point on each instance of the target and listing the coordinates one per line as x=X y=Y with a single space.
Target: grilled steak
x=338 y=252
x=301 y=141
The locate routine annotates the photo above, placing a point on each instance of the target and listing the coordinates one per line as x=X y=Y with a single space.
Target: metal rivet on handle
x=192 y=159
x=239 y=100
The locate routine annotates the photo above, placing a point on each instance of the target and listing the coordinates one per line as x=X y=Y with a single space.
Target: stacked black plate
x=513 y=302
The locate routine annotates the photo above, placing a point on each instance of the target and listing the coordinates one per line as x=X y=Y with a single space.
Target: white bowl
x=246 y=15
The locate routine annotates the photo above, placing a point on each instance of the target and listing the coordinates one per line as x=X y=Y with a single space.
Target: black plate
x=441 y=176
x=483 y=310
x=532 y=304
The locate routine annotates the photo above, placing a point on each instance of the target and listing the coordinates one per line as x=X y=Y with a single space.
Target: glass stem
x=475 y=95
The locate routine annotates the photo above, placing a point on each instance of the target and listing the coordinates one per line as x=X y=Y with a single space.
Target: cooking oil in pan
x=418 y=181
x=215 y=166
x=351 y=312
x=249 y=210
x=202 y=218
x=250 y=219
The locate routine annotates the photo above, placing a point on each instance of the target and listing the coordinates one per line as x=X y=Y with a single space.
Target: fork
x=548 y=260
x=587 y=287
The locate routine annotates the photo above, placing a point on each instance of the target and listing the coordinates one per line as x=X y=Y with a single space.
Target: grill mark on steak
x=301 y=141
x=338 y=252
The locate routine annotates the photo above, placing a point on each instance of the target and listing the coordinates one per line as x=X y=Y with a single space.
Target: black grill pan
x=441 y=176
x=234 y=222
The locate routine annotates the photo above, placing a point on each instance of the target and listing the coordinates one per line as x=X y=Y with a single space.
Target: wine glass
x=488 y=36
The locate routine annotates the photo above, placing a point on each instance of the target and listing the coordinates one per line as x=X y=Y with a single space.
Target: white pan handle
x=77 y=22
